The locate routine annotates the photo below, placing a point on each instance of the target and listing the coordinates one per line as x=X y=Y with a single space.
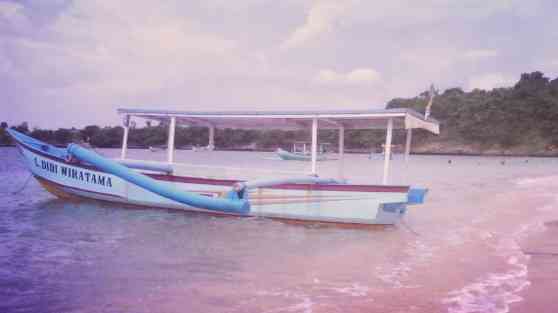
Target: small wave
x=303 y=304
x=456 y=238
x=418 y=253
x=304 y=299
x=492 y=294
x=58 y=253
x=534 y=181
x=496 y=291
x=354 y=290
x=272 y=158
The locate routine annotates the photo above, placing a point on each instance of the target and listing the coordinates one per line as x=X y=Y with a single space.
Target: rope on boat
x=24 y=185
x=20 y=189
x=408 y=227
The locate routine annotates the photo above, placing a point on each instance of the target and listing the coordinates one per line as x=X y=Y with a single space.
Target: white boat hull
x=361 y=204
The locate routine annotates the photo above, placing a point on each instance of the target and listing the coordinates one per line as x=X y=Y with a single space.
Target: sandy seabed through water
x=481 y=243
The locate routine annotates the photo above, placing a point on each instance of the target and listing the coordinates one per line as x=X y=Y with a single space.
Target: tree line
x=523 y=114
x=187 y=137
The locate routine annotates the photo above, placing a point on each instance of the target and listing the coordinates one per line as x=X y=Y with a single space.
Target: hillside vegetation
x=522 y=119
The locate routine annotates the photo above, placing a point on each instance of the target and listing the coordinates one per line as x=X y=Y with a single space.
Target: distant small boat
x=301 y=153
x=155 y=149
x=203 y=148
x=297 y=156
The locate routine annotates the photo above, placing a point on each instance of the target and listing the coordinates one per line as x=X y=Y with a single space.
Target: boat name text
x=74 y=173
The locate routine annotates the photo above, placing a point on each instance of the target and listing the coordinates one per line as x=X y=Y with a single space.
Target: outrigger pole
x=314 y=144
x=387 y=153
x=211 y=143
x=126 y=124
x=341 y=151
x=170 y=143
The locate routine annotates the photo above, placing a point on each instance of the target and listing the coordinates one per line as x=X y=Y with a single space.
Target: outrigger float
x=78 y=172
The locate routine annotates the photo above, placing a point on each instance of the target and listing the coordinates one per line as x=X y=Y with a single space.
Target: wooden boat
x=78 y=172
x=301 y=153
x=293 y=156
x=155 y=149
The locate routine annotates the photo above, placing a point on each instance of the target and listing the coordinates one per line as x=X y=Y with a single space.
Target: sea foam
x=494 y=292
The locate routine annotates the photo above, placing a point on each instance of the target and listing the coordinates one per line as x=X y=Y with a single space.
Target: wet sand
x=540 y=296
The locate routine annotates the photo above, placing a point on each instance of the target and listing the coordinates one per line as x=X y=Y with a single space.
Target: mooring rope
x=24 y=185
x=402 y=221
x=22 y=159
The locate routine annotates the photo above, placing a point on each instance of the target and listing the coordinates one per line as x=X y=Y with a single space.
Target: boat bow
x=238 y=206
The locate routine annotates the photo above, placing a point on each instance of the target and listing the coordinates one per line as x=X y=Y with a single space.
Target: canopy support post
x=170 y=144
x=211 y=144
x=408 y=144
x=341 y=152
x=126 y=123
x=387 y=151
x=314 y=144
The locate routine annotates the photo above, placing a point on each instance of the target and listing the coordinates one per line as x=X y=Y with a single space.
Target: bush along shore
x=518 y=120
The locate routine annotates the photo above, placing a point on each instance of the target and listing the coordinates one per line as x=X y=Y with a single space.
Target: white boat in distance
x=78 y=172
x=300 y=153
x=156 y=149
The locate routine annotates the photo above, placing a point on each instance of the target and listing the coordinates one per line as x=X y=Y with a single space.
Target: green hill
x=522 y=119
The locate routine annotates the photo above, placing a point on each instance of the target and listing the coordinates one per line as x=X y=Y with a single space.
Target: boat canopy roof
x=292 y=120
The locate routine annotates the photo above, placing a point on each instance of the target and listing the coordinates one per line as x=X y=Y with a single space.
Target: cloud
x=66 y=63
x=9 y=10
x=481 y=54
x=12 y=16
x=91 y=45
x=91 y=55
x=404 y=13
x=490 y=81
x=360 y=76
x=363 y=75
x=321 y=18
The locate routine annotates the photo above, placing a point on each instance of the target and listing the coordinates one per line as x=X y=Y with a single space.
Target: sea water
x=458 y=252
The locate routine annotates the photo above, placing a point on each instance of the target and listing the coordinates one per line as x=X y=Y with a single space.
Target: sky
x=67 y=63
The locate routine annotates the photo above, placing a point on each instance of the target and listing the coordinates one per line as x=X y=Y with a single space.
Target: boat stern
x=416 y=195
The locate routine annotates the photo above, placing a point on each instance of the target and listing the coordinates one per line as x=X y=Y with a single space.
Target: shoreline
x=542 y=249
x=355 y=151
